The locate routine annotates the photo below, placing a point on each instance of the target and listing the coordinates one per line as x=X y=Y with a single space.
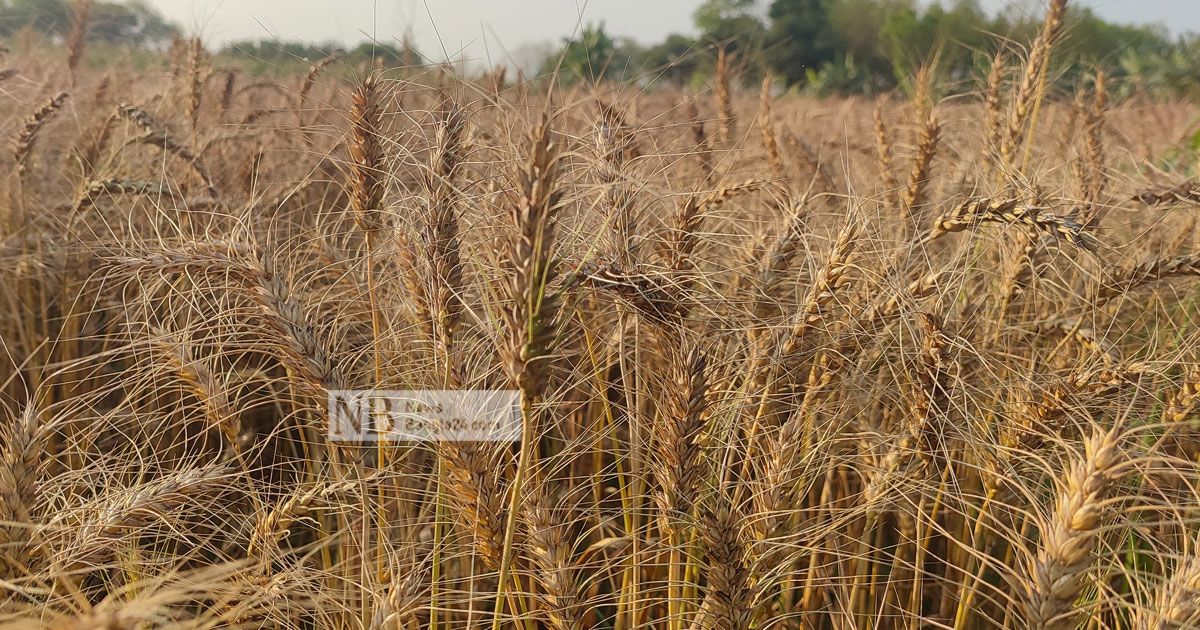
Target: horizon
x=480 y=32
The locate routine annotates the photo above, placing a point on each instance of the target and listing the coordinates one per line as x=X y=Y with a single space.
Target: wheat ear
x=1058 y=574
x=32 y=127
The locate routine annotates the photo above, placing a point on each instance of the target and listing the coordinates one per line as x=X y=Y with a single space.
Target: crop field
x=923 y=360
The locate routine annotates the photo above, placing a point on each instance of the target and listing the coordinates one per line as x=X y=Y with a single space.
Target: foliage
x=1166 y=74
x=133 y=23
x=800 y=37
x=137 y=24
x=911 y=37
x=846 y=46
x=732 y=23
x=594 y=55
x=675 y=59
x=586 y=57
x=272 y=55
x=841 y=75
x=864 y=46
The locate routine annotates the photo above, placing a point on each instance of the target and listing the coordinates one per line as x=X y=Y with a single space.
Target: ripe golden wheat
x=899 y=364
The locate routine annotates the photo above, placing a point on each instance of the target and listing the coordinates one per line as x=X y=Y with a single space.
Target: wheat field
x=926 y=361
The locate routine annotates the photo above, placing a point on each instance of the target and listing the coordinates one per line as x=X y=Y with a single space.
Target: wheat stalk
x=723 y=97
x=81 y=13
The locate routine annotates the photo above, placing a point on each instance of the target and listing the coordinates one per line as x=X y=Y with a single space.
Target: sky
x=504 y=31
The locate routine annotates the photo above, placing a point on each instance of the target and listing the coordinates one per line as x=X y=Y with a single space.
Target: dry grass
x=847 y=365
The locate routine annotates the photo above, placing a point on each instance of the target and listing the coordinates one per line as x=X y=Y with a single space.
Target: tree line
x=871 y=46
x=137 y=24
x=821 y=46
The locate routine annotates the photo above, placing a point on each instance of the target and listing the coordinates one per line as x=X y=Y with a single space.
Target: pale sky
x=489 y=31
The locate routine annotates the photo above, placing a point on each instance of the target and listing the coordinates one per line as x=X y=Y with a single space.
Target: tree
x=945 y=37
x=800 y=37
x=860 y=28
x=736 y=26
x=1092 y=40
x=587 y=56
x=135 y=23
x=52 y=17
x=276 y=51
x=731 y=23
x=842 y=75
x=387 y=54
x=676 y=59
x=1173 y=73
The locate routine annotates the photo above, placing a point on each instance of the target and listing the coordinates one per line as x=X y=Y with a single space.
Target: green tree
x=676 y=59
x=1172 y=73
x=860 y=28
x=800 y=37
x=587 y=56
x=1097 y=42
x=135 y=23
x=732 y=23
x=736 y=26
x=842 y=75
x=52 y=17
x=387 y=54
x=277 y=51
x=913 y=36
